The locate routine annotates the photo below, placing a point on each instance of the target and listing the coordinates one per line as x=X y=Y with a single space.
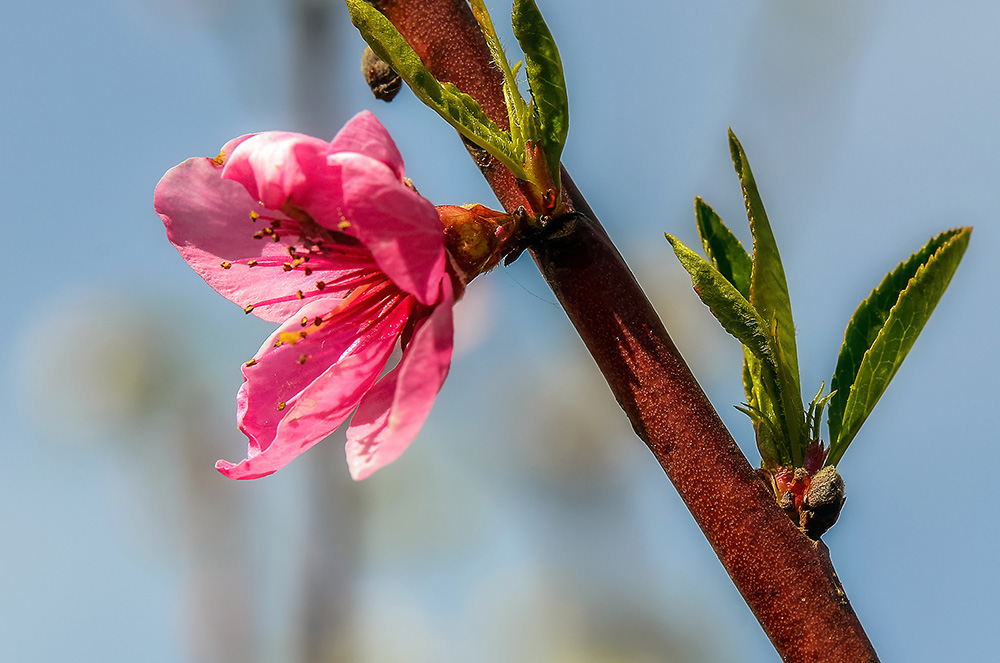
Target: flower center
x=340 y=262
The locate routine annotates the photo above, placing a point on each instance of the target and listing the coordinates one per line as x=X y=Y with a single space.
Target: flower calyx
x=477 y=238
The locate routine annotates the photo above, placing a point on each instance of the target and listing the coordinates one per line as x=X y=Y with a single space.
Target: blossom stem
x=786 y=578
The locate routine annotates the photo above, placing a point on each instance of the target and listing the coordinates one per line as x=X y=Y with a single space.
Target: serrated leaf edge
x=840 y=439
x=722 y=247
x=737 y=317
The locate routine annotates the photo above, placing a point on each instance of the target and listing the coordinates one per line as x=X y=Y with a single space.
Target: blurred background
x=526 y=522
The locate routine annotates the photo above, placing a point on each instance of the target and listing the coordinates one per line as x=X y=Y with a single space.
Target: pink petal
x=208 y=219
x=285 y=169
x=274 y=165
x=401 y=229
x=342 y=362
x=364 y=134
x=393 y=411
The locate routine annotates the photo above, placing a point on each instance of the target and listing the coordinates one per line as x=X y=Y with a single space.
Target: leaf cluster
x=537 y=127
x=748 y=294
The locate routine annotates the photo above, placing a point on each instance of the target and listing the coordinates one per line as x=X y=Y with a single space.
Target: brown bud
x=383 y=81
x=823 y=502
x=478 y=154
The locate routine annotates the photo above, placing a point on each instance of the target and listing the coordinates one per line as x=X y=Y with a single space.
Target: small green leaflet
x=550 y=102
x=883 y=330
x=733 y=311
x=724 y=251
x=769 y=296
x=517 y=111
x=764 y=409
x=457 y=108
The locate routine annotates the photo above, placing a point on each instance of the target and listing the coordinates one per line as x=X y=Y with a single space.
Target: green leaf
x=769 y=296
x=766 y=434
x=517 y=110
x=760 y=384
x=545 y=79
x=457 y=108
x=752 y=386
x=883 y=330
x=724 y=250
x=724 y=300
x=815 y=412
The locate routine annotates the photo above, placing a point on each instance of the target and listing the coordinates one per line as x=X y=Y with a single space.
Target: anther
x=302 y=360
x=287 y=266
x=254 y=216
x=298 y=293
x=227 y=265
x=304 y=321
x=250 y=363
x=309 y=271
x=344 y=225
x=276 y=223
x=281 y=406
x=258 y=235
x=320 y=285
x=267 y=230
x=303 y=334
x=252 y=262
x=318 y=321
x=248 y=308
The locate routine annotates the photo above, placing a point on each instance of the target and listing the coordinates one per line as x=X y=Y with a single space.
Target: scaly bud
x=382 y=79
x=823 y=502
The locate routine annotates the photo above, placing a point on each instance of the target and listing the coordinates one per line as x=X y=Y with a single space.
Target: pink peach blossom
x=329 y=240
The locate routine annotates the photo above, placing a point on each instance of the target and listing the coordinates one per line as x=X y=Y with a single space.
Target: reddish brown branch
x=786 y=578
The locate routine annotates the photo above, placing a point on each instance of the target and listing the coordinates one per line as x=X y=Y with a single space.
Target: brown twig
x=786 y=578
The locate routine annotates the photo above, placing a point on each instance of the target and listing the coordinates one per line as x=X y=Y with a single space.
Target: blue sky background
x=526 y=522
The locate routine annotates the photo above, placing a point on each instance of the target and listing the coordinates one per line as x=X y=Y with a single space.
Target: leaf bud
x=823 y=502
x=382 y=79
